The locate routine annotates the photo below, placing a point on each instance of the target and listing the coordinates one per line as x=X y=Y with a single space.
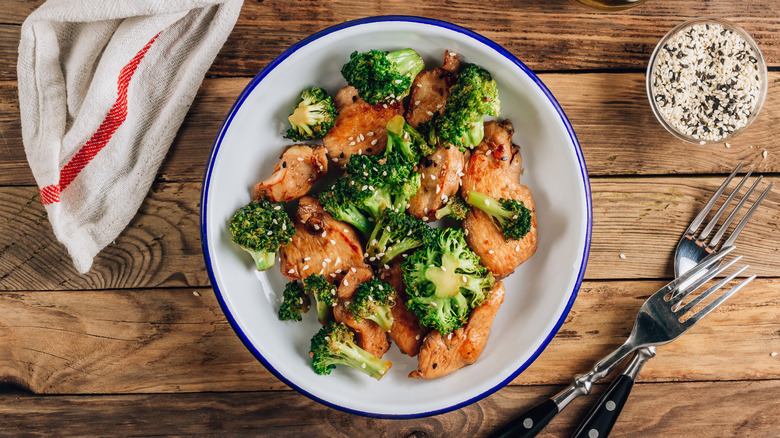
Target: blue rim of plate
x=263 y=73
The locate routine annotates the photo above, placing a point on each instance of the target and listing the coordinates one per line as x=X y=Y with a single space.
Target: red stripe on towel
x=114 y=119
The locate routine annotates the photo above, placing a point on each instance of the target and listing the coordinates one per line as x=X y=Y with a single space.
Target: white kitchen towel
x=103 y=88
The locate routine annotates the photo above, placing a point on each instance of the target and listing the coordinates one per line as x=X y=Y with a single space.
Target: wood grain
x=529 y=29
x=609 y=112
x=666 y=409
x=641 y=218
x=177 y=340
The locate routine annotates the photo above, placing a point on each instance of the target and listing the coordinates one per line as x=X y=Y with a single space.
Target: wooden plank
x=591 y=40
x=666 y=409
x=641 y=218
x=177 y=340
x=160 y=246
x=609 y=112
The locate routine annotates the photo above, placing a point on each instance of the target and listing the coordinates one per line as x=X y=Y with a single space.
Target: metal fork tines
x=700 y=241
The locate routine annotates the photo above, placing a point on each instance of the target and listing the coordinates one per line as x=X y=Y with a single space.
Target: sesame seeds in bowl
x=706 y=80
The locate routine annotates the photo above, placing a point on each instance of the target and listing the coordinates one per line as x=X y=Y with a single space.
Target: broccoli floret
x=313 y=117
x=445 y=281
x=405 y=143
x=512 y=217
x=373 y=300
x=335 y=345
x=391 y=183
x=381 y=76
x=474 y=96
x=455 y=208
x=261 y=228
x=395 y=233
x=295 y=302
x=324 y=295
x=345 y=202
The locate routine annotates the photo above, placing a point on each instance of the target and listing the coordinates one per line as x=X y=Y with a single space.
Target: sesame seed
x=623 y=256
x=765 y=153
x=705 y=81
x=327 y=260
x=425 y=218
x=300 y=158
x=491 y=252
x=352 y=143
x=416 y=102
x=373 y=142
x=517 y=248
x=728 y=145
x=305 y=267
x=291 y=271
x=430 y=113
x=269 y=233
x=449 y=336
x=332 y=275
x=453 y=54
x=487 y=202
x=277 y=207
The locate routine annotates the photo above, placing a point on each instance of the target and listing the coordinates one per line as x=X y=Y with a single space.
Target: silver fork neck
x=583 y=384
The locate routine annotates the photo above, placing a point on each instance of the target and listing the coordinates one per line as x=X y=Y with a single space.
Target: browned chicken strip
x=300 y=166
x=494 y=169
x=442 y=355
x=360 y=128
x=431 y=89
x=441 y=173
x=368 y=335
x=321 y=245
x=406 y=331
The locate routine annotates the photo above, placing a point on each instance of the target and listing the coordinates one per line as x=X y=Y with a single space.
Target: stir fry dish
x=408 y=242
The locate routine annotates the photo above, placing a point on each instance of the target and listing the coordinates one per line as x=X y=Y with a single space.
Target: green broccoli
x=474 y=96
x=382 y=76
x=373 y=300
x=335 y=345
x=391 y=183
x=324 y=295
x=405 y=142
x=295 y=302
x=313 y=117
x=455 y=208
x=395 y=233
x=261 y=228
x=345 y=201
x=512 y=217
x=445 y=281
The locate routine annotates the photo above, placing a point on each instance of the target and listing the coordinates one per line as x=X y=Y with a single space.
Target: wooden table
x=140 y=346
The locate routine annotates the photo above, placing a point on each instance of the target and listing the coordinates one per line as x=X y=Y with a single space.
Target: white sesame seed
x=774 y=353
x=346 y=282
x=352 y=143
x=623 y=256
x=305 y=267
x=765 y=153
x=332 y=242
x=373 y=142
x=306 y=259
x=453 y=54
x=269 y=233
x=291 y=271
x=416 y=102
x=277 y=207
x=300 y=158
x=327 y=260
x=417 y=337
x=353 y=269
x=425 y=218
x=430 y=113
x=728 y=145
x=517 y=248
x=491 y=252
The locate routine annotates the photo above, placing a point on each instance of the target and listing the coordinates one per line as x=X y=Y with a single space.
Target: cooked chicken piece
x=441 y=173
x=494 y=169
x=442 y=355
x=360 y=128
x=353 y=278
x=406 y=331
x=321 y=245
x=368 y=335
x=431 y=89
x=300 y=167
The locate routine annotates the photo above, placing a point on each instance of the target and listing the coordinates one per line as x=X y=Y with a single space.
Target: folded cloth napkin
x=103 y=88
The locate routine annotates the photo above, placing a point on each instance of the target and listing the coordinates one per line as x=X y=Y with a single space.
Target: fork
x=691 y=249
x=657 y=323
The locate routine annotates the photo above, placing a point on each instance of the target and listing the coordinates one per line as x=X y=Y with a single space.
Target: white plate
x=539 y=294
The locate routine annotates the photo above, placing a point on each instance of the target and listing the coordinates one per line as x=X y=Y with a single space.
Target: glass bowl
x=659 y=100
